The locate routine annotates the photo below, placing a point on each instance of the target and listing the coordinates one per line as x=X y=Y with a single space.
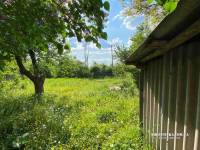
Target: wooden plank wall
x=170 y=99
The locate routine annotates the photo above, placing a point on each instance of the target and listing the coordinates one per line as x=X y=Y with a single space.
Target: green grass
x=77 y=114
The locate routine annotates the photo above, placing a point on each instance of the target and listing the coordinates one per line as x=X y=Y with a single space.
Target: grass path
x=73 y=114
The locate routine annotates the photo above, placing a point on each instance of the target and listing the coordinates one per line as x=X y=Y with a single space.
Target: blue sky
x=119 y=29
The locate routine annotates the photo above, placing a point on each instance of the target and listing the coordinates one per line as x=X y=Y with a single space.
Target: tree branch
x=22 y=68
x=34 y=61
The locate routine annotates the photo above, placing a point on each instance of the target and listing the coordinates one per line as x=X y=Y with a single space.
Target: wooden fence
x=170 y=99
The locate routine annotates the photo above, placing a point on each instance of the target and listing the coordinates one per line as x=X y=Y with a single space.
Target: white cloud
x=107 y=23
x=116 y=17
x=129 y=42
x=102 y=55
x=81 y=46
x=128 y=21
x=115 y=41
x=91 y=46
x=78 y=46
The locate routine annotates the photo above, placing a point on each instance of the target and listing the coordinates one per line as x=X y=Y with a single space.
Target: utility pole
x=86 y=54
x=111 y=49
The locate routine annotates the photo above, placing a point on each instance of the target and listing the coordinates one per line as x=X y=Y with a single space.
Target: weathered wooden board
x=171 y=99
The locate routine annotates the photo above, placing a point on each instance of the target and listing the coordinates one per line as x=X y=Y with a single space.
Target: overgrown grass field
x=74 y=114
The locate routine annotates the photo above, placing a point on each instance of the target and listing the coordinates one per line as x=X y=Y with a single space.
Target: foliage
x=73 y=114
x=35 y=28
x=142 y=32
x=121 y=70
x=100 y=70
x=153 y=13
x=26 y=124
x=38 y=24
x=122 y=53
x=128 y=138
x=106 y=117
x=66 y=67
x=9 y=77
x=70 y=67
x=129 y=85
x=169 y=5
x=152 y=10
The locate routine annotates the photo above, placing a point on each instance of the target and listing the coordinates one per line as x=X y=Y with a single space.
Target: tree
x=29 y=29
x=122 y=53
x=142 y=32
x=152 y=10
x=72 y=68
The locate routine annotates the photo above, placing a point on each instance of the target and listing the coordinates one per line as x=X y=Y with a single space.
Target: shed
x=169 y=63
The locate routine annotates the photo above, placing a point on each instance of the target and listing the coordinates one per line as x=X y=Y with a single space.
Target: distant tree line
x=70 y=67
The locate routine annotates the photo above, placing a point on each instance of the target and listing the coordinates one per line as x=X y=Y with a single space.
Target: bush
x=50 y=70
x=122 y=70
x=100 y=71
x=9 y=77
x=129 y=86
x=72 y=68
x=83 y=71
x=66 y=68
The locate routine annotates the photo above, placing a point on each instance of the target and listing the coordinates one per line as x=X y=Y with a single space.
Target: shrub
x=100 y=71
x=122 y=70
x=70 y=67
x=83 y=71
x=9 y=77
x=129 y=86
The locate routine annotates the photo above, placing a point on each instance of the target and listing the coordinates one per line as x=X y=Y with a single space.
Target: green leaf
x=64 y=34
x=106 y=5
x=149 y=1
x=60 y=48
x=170 y=6
x=104 y=35
x=67 y=47
x=161 y=2
x=88 y=39
x=98 y=45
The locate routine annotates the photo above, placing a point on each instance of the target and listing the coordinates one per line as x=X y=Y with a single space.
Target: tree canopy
x=153 y=11
x=122 y=53
x=30 y=28
x=40 y=24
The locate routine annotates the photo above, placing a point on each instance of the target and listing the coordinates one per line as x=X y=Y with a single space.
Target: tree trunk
x=37 y=79
x=39 y=85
